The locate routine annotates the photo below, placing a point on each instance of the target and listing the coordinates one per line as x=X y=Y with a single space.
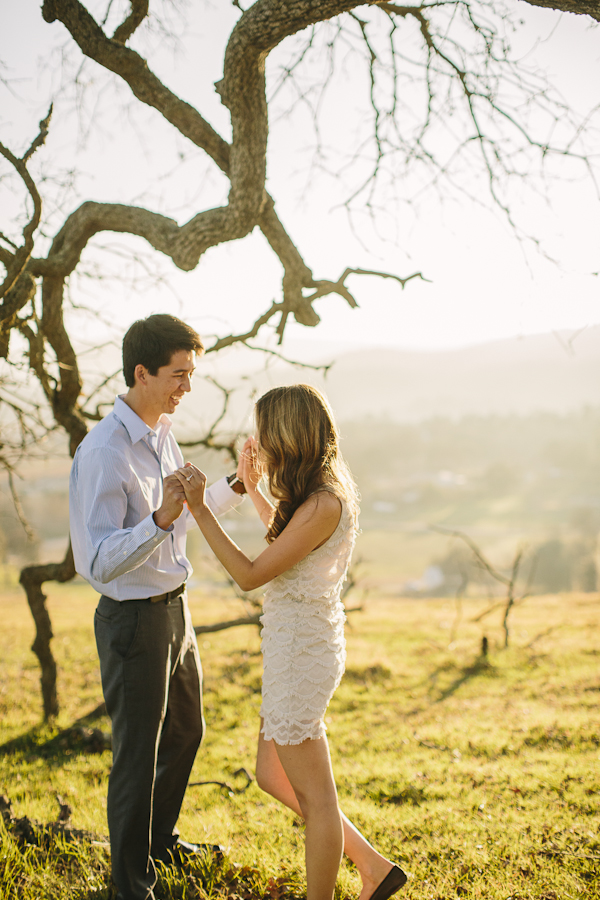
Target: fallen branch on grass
x=231 y=623
x=541 y=635
x=87 y=740
x=227 y=787
x=454 y=751
x=247 y=620
x=557 y=851
x=430 y=745
x=27 y=831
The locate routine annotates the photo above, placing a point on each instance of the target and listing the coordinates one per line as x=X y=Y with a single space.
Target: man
x=128 y=530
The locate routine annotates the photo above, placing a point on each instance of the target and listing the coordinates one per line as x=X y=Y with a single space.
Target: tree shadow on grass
x=42 y=741
x=479 y=666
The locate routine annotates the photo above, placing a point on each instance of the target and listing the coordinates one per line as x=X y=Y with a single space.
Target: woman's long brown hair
x=299 y=444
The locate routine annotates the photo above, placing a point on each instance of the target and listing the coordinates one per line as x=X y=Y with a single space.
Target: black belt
x=170 y=595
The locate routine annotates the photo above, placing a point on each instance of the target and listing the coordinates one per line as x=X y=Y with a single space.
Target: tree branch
x=498 y=576
x=257 y=32
x=230 y=339
x=338 y=287
x=41 y=137
x=139 y=11
x=509 y=581
x=22 y=254
x=579 y=7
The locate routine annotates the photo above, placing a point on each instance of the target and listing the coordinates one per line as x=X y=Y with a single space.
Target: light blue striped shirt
x=115 y=487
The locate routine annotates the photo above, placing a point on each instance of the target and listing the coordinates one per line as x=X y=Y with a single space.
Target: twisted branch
x=257 y=32
x=15 y=263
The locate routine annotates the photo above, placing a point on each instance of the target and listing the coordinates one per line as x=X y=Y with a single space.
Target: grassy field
x=482 y=776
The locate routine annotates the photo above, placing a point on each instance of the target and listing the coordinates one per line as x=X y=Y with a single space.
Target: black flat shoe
x=393 y=881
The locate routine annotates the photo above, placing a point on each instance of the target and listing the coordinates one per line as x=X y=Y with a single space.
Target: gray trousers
x=152 y=685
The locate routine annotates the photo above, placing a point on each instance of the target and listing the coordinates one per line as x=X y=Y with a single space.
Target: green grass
x=481 y=777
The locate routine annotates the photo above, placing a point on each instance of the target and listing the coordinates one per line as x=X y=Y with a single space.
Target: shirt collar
x=136 y=427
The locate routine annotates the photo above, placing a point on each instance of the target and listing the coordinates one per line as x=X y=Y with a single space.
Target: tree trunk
x=32 y=579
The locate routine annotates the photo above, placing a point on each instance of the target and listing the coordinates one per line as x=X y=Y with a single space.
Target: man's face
x=171 y=382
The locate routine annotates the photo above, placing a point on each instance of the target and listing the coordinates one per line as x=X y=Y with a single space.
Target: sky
x=483 y=284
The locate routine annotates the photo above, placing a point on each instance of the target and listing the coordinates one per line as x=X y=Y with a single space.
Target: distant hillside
x=520 y=375
x=540 y=373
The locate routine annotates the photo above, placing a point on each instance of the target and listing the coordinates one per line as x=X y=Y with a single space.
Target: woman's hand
x=193 y=482
x=250 y=471
x=248 y=467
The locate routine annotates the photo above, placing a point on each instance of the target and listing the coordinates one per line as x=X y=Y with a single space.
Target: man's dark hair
x=152 y=342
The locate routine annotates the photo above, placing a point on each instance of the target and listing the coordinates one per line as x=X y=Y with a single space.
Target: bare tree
x=513 y=597
x=454 y=50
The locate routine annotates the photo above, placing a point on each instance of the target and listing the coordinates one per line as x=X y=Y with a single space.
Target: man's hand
x=193 y=484
x=172 y=504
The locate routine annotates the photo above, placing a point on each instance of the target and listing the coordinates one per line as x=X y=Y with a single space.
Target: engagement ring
x=189 y=478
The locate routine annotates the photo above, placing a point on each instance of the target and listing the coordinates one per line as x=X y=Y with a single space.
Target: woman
x=310 y=533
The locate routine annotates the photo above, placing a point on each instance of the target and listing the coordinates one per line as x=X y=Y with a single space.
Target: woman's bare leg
x=271 y=777
x=308 y=768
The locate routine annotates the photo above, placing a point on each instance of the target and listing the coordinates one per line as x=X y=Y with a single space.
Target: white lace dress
x=303 y=644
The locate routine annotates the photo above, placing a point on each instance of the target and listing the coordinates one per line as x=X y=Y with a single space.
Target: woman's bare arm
x=310 y=526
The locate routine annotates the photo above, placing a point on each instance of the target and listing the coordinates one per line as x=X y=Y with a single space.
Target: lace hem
x=286 y=733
